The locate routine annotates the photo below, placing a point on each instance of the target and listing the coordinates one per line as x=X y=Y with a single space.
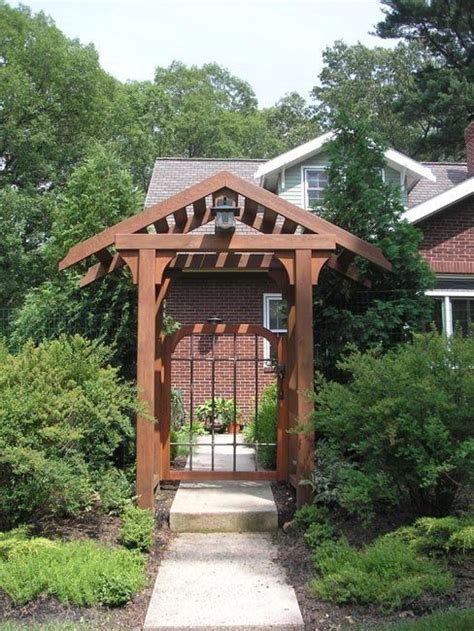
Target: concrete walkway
x=228 y=578
x=222 y=581
x=223 y=454
x=246 y=506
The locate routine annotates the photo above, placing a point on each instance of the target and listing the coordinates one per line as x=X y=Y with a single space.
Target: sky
x=276 y=45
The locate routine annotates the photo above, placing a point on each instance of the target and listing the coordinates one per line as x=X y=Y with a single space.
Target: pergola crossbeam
x=217 y=243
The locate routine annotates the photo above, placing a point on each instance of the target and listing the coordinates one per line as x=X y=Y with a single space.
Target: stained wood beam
x=162 y=225
x=95 y=272
x=308 y=220
x=199 y=207
x=104 y=256
x=180 y=218
x=146 y=378
x=217 y=243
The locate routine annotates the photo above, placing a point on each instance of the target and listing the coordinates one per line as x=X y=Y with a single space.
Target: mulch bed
x=295 y=556
x=102 y=528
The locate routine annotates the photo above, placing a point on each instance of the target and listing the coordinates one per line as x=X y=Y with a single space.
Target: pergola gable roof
x=273 y=206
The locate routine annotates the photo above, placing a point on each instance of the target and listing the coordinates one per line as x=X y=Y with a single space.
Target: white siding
x=294 y=189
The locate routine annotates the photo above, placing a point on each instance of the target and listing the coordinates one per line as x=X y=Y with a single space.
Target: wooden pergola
x=290 y=244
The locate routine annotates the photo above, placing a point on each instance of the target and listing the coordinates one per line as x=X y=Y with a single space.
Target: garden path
x=221 y=572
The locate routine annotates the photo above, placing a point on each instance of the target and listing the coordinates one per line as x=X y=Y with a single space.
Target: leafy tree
x=292 y=120
x=24 y=226
x=54 y=94
x=99 y=193
x=375 y=79
x=358 y=200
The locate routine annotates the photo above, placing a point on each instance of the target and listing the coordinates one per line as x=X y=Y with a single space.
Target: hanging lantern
x=224 y=213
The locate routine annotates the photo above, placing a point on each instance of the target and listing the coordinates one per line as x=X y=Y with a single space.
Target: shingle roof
x=448 y=174
x=172 y=175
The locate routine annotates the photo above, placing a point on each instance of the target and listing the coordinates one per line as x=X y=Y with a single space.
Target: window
x=274 y=318
x=315 y=181
x=453 y=310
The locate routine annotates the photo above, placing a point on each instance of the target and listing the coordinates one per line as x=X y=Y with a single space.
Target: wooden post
x=146 y=376
x=158 y=465
x=304 y=357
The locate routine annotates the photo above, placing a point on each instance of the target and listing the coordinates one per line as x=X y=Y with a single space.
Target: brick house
x=439 y=198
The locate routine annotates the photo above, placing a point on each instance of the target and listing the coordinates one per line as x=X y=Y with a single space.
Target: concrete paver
x=222 y=581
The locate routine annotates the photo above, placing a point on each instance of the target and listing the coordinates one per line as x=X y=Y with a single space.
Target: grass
x=387 y=573
x=460 y=620
x=82 y=573
x=60 y=626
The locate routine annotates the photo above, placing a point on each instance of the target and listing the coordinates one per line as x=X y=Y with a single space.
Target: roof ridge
x=184 y=159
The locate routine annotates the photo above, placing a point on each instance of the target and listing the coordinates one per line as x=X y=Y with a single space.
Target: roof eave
x=440 y=202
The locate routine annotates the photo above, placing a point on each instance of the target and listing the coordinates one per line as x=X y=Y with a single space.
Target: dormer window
x=315 y=180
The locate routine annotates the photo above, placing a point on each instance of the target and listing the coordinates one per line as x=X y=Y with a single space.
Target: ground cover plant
x=64 y=415
x=400 y=431
x=79 y=572
x=137 y=528
x=263 y=427
x=386 y=573
x=462 y=620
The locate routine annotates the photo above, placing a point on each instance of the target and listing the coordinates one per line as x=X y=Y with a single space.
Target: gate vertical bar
x=146 y=376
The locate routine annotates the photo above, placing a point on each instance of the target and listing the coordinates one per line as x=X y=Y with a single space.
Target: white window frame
x=304 y=181
x=447 y=307
x=267 y=298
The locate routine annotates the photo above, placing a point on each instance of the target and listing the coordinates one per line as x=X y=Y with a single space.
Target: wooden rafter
x=254 y=196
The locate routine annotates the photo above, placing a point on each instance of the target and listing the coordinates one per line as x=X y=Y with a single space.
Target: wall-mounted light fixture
x=225 y=213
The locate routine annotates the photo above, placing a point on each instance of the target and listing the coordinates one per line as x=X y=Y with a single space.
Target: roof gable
x=399 y=161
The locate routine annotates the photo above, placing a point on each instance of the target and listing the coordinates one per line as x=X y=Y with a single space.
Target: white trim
x=440 y=202
x=303 y=169
x=294 y=156
x=447 y=307
x=395 y=159
x=448 y=316
x=266 y=320
x=451 y=293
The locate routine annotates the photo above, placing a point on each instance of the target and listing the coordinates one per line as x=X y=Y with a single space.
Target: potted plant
x=218 y=414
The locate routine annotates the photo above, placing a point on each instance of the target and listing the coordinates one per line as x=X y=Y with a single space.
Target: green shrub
x=137 y=528
x=263 y=427
x=310 y=514
x=438 y=536
x=462 y=540
x=81 y=573
x=115 y=491
x=319 y=533
x=400 y=430
x=387 y=573
x=455 y=620
x=64 y=412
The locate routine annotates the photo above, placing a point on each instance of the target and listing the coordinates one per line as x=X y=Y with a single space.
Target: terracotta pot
x=231 y=426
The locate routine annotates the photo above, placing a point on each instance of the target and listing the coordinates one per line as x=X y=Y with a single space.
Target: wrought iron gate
x=216 y=360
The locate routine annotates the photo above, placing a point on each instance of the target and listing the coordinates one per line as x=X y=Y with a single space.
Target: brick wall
x=236 y=299
x=448 y=239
